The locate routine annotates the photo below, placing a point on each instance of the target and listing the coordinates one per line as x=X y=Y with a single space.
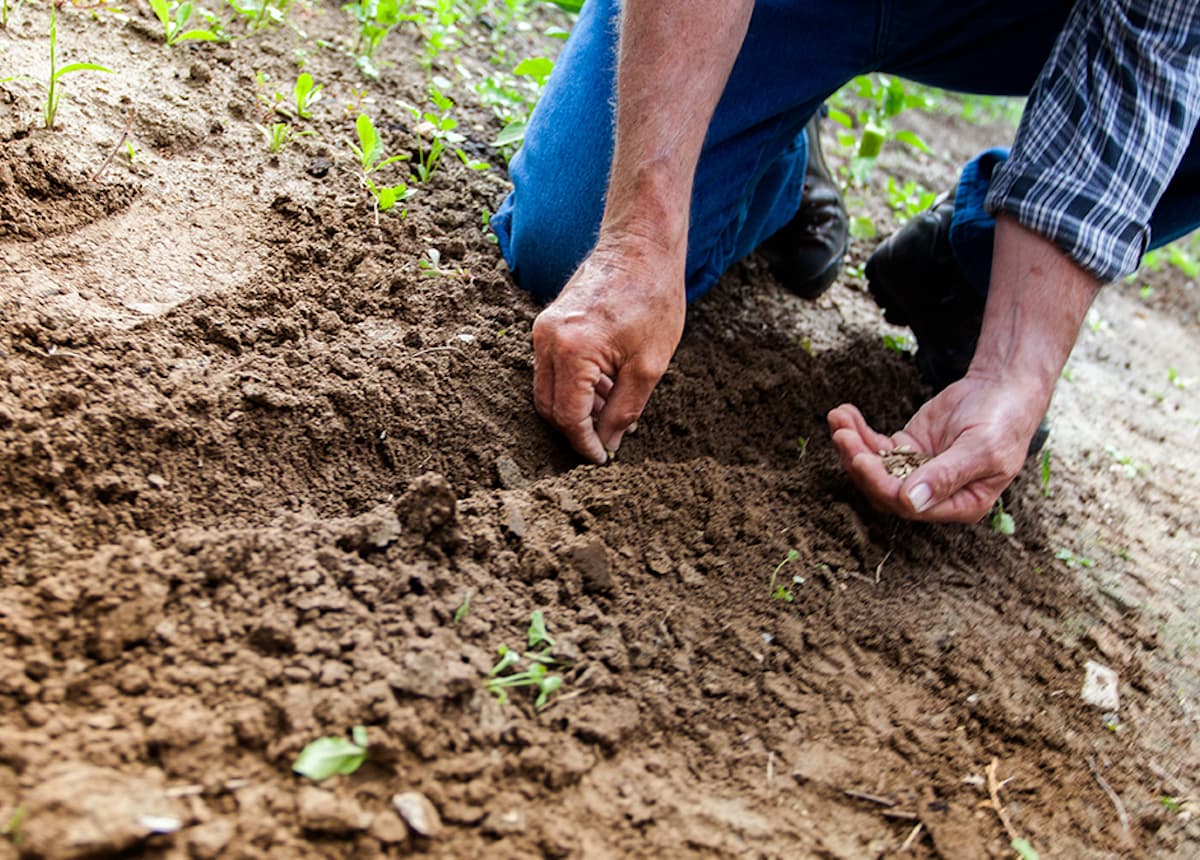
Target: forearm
x=675 y=58
x=1037 y=301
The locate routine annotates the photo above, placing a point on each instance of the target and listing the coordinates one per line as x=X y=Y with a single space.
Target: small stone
x=1100 y=687
x=208 y=841
x=500 y=823
x=156 y=480
x=509 y=474
x=323 y=811
x=388 y=828
x=419 y=813
x=689 y=576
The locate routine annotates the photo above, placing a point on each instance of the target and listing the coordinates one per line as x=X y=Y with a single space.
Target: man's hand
x=979 y=430
x=602 y=346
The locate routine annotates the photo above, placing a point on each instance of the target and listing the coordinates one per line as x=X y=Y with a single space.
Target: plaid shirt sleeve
x=1104 y=129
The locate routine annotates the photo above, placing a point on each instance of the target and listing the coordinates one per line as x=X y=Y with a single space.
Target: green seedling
x=1024 y=849
x=280 y=134
x=1177 y=381
x=537 y=631
x=881 y=98
x=12 y=828
x=1124 y=463
x=781 y=592
x=440 y=127
x=175 y=17
x=305 y=95
x=802 y=444
x=262 y=13
x=375 y=19
x=538 y=674
x=1074 y=561
x=327 y=756
x=437 y=22
x=372 y=158
x=464 y=608
x=862 y=227
x=909 y=199
x=514 y=103
x=1171 y=804
x=53 y=87
x=899 y=343
x=1044 y=468
x=1002 y=521
x=1146 y=293
x=1095 y=322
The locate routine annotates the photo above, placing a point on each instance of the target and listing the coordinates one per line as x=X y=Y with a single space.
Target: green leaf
x=327 y=756
x=871 y=142
x=198 y=36
x=537 y=630
x=568 y=5
x=161 y=10
x=512 y=133
x=547 y=686
x=368 y=137
x=538 y=68
x=359 y=734
x=912 y=140
x=841 y=118
x=1024 y=849
x=80 y=67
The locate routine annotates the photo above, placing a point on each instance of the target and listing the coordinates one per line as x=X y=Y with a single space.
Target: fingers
x=959 y=485
x=629 y=395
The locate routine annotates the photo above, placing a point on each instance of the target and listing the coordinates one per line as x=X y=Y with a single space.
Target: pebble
x=323 y=811
x=419 y=813
x=1100 y=686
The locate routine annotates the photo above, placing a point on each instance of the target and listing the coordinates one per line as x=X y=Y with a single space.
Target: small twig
x=124 y=136
x=994 y=793
x=912 y=837
x=870 y=798
x=1116 y=801
x=900 y=815
x=433 y=349
x=770 y=767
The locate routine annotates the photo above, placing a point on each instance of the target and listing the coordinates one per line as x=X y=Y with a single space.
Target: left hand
x=977 y=431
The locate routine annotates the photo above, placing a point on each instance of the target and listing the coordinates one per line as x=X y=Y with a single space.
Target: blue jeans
x=750 y=176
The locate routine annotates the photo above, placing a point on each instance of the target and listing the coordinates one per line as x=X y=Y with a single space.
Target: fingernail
x=920 y=496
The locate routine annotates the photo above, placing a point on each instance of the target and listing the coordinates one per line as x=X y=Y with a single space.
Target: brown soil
x=255 y=458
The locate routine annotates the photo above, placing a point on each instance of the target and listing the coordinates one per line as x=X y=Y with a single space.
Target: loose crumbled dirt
x=255 y=459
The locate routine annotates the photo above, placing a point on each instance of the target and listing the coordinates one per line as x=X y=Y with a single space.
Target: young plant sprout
x=782 y=592
x=175 y=18
x=439 y=126
x=540 y=663
x=1002 y=521
x=371 y=158
x=53 y=88
x=327 y=756
x=306 y=95
x=280 y=134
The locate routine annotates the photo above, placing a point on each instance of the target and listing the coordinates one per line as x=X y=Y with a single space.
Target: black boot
x=807 y=254
x=913 y=276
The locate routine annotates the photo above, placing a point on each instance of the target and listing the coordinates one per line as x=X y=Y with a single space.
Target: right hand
x=603 y=344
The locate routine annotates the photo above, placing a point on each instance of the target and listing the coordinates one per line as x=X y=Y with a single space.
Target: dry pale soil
x=255 y=460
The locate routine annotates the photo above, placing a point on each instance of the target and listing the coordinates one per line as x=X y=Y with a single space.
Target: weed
x=371 y=158
x=175 y=18
x=327 y=756
x=1044 y=468
x=53 y=87
x=538 y=675
x=1002 y=521
x=1074 y=561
